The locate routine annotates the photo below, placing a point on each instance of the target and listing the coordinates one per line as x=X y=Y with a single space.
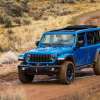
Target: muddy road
x=49 y=88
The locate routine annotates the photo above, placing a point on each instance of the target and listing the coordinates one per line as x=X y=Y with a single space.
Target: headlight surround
x=53 y=58
x=27 y=58
x=21 y=57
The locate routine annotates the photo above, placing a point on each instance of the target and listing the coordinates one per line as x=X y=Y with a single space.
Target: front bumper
x=40 y=70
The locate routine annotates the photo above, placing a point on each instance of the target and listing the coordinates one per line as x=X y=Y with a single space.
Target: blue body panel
x=82 y=56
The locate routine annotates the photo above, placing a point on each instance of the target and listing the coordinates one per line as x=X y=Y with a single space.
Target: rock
x=8 y=58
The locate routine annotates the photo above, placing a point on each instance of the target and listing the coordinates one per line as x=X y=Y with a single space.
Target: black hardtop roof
x=75 y=28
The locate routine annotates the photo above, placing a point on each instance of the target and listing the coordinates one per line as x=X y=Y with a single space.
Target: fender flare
x=96 y=56
x=70 y=58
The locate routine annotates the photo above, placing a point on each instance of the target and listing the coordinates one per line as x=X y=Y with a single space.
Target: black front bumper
x=40 y=70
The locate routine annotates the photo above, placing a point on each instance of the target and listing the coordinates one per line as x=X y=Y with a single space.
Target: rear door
x=93 y=42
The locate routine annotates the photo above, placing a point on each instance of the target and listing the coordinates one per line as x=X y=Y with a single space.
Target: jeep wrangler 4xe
x=62 y=52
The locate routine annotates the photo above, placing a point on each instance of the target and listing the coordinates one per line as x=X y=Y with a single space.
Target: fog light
x=23 y=68
x=52 y=69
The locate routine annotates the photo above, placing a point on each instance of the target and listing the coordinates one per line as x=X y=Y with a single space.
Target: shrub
x=7 y=22
x=37 y=14
x=13 y=9
x=17 y=21
x=24 y=5
x=1 y=20
x=66 y=1
x=26 y=22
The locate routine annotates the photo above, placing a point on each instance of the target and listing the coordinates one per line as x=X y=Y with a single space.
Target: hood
x=51 y=50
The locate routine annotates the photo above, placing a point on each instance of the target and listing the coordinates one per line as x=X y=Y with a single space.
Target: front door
x=81 y=52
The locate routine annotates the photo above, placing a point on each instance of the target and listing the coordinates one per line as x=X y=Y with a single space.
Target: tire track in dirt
x=46 y=88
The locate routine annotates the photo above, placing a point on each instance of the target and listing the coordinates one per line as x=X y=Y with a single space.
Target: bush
x=7 y=41
x=7 y=22
x=37 y=14
x=26 y=22
x=66 y=1
x=24 y=5
x=13 y=9
x=17 y=21
x=1 y=20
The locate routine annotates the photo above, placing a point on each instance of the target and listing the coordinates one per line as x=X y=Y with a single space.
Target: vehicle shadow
x=53 y=80
x=85 y=73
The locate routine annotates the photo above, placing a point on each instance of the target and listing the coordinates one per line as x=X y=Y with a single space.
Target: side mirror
x=37 y=43
x=80 y=43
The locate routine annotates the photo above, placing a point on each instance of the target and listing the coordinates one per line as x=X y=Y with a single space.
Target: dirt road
x=48 y=88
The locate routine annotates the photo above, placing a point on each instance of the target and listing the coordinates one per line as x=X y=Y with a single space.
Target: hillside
x=23 y=21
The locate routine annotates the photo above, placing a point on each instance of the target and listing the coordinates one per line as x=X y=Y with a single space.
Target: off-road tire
x=63 y=72
x=97 y=66
x=23 y=77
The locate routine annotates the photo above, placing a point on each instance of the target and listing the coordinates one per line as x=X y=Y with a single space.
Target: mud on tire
x=97 y=66
x=23 y=77
x=67 y=72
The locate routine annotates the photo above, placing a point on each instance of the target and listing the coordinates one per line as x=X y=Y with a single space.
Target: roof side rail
x=75 y=27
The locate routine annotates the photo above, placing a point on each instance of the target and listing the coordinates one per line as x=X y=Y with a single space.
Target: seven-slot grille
x=40 y=58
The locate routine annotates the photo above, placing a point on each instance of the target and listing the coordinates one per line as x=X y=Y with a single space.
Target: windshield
x=58 y=39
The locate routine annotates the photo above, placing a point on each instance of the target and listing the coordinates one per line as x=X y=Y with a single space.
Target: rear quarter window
x=93 y=37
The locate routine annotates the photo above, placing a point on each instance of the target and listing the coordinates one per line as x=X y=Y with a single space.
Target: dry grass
x=29 y=34
x=24 y=37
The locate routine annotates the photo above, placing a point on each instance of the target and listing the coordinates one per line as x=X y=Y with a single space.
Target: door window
x=93 y=37
x=97 y=37
x=81 y=39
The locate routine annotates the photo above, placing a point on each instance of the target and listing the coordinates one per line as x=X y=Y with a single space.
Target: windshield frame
x=43 y=44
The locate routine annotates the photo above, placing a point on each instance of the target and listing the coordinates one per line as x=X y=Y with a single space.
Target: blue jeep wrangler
x=62 y=52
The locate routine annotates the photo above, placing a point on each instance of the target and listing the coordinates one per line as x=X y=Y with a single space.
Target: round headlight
x=28 y=57
x=52 y=58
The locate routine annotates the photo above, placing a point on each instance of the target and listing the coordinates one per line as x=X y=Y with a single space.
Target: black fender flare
x=96 y=56
x=70 y=58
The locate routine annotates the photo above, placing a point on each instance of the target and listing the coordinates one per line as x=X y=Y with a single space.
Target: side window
x=97 y=37
x=81 y=39
x=93 y=37
x=90 y=38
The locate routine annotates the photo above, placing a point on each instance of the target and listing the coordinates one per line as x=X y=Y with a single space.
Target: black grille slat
x=40 y=58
